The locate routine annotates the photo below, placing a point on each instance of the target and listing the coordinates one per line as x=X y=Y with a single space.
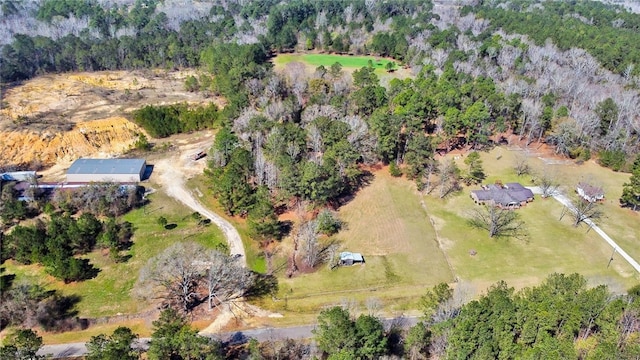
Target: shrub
x=613 y=159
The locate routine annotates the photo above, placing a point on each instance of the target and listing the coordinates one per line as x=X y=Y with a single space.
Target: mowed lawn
x=387 y=224
x=622 y=224
x=552 y=245
x=110 y=293
x=349 y=64
x=326 y=60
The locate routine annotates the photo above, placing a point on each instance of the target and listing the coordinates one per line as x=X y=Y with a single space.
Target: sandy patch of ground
x=54 y=119
x=63 y=99
x=99 y=138
x=237 y=313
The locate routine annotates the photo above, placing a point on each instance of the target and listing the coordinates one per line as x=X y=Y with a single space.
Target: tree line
x=118 y=37
x=607 y=31
x=162 y=121
x=562 y=318
x=57 y=239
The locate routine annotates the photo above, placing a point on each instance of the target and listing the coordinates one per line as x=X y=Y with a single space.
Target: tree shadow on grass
x=58 y=313
x=285 y=228
x=363 y=180
x=6 y=281
x=263 y=285
x=171 y=226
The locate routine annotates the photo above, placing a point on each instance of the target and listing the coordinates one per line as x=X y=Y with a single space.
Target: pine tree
x=631 y=190
x=262 y=220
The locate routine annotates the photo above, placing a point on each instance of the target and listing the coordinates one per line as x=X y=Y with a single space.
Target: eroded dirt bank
x=32 y=148
x=54 y=119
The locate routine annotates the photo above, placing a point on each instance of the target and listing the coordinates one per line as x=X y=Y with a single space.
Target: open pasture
x=388 y=225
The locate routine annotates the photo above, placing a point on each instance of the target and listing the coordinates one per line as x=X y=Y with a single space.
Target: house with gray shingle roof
x=589 y=192
x=508 y=196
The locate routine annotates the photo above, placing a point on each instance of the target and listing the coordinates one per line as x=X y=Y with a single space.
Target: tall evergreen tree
x=631 y=190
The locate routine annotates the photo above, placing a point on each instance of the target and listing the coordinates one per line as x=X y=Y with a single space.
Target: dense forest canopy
x=572 y=65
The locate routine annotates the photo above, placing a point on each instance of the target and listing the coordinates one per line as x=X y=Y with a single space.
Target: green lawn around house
x=552 y=245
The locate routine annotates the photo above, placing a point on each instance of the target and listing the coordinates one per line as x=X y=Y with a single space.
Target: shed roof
x=351 y=256
x=106 y=166
x=18 y=176
x=590 y=190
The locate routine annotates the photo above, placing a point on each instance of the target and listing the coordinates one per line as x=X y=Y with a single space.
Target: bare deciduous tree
x=449 y=177
x=308 y=238
x=186 y=274
x=499 y=222
x=582 y=210
x=226 y=278
x=548 y=183
x=175 y=274
x=521 y=165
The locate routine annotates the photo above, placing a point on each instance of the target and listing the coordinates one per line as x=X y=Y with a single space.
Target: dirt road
x=171 y=173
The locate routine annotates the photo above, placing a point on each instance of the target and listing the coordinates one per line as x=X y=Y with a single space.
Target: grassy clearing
x=349 y=64
x=326 y=60
x=623 y=225
x=110 y=292
x=387 y=224
x=255 y=260
x=553 y=245
x=138 y=326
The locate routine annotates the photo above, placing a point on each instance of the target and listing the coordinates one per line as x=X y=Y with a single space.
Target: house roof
x=344 y=256
x=511 y=193
x=590 y=190
x=515 y=186
x=106 y=166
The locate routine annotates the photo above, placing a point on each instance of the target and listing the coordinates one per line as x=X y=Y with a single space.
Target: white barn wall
x=103 y=178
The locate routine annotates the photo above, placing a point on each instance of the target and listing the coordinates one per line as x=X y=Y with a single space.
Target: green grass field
x=387 y=224
x=110 y=292
x=349 y=64
x=326 y=60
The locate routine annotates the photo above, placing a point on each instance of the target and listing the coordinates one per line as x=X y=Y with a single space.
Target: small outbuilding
x=106 y=170
x=349 y=258
x=18 y=176
x=589 y=192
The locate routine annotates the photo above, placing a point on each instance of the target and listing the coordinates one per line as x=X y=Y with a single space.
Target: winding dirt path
x=171 y=173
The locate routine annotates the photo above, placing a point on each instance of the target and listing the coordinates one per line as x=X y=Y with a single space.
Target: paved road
x=564 y=200
x=173 y=182
x=263 y=334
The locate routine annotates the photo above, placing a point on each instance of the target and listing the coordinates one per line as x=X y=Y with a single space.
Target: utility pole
x=611 y=259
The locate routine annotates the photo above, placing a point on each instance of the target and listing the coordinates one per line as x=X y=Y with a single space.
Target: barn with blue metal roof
x=107 y=170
